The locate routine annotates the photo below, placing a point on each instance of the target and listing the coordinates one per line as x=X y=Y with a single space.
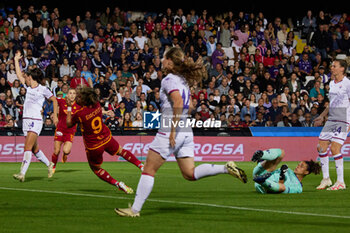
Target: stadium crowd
x=261 y=72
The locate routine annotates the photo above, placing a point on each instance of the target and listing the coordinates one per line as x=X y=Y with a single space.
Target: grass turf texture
x=75 y=200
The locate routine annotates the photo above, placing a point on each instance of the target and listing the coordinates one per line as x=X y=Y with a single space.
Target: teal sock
x=271 y=154
x=271 y=186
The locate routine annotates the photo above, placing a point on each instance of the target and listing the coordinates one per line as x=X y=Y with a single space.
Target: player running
x=32 y=118
x=269 y=179
x=64 y=135
x=97 y=136
x=336 y=129
x=175 y=99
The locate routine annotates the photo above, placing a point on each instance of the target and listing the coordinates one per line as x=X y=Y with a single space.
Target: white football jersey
x=339 y=101
x=34 y=101
x=170 y=84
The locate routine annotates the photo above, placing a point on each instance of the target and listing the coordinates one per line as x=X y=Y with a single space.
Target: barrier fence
x=211 y=148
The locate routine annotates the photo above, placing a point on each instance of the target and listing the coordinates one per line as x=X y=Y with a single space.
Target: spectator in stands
x=83 y=60
x=295 y=120
x=137 y=109
x=218 y=55
x=74 y=36
x=138 y=121
x=66 y=68
x=274 y=111
x=48 y=124
x=305 y=66
x=248 y=109
x=237 y=123
x=9 y=108
x=307 y=122
x=284 y=122
x=129 y=103
x=127 y=122
x=308 y=23
x=78 y=80
x=315 y=91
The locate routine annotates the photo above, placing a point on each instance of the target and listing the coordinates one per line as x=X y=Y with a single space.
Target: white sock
x=204 y=170
x=339 y=167
x=27 y=158
x=42 y=158
x=324 y=164
x=144 y=189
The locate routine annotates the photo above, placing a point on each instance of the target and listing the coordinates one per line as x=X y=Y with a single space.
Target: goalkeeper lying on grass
x=269 y=179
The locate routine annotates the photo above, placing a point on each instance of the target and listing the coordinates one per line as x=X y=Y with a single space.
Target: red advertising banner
x=206 y=148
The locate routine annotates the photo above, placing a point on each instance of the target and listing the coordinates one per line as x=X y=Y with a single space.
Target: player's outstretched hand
x=69 y=103
x=18 y=56
x=318 y=121
x=172 y=139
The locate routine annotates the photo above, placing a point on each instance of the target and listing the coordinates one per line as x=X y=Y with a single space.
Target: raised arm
x=19 y=73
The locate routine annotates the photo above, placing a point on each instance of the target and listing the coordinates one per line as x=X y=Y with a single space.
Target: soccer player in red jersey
x=97 y=136
x=64 y=135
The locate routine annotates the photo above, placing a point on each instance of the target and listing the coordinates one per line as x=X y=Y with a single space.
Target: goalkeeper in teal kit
x=270 y=179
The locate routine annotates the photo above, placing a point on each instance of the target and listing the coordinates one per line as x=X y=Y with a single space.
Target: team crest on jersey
x=59 y=133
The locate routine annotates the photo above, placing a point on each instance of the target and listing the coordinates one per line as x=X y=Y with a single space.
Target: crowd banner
x=205 y=148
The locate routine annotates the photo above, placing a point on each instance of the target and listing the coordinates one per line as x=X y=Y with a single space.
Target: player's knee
x=95 y=168
x=320 y=149
x=57 y=151
x=335 y=150
x=188 y=175
x=66 y=151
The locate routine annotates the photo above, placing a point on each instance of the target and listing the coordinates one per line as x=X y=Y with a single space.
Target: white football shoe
x=19 y=177
x=325 y=183
x=337 y=186
x=51 y=170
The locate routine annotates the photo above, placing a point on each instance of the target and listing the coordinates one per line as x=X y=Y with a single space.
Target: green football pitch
x=75 y=200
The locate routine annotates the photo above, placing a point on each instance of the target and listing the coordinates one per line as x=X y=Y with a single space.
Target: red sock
x=128 y=156
x=54 y=159
x=104 y=175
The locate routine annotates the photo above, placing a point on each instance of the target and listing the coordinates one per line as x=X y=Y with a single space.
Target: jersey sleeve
x=169 y=85
x=292 y=183
x=293 y=189
x=75 y=119
x=47 y=93
x=60 y=102
x=348 y=89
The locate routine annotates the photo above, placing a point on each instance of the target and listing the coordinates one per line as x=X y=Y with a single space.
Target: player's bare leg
x=67 y=147
x=322 y=149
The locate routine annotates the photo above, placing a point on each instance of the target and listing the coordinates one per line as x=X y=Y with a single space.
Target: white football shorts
x=184 y=145
x=32 y=125
x=335 y=131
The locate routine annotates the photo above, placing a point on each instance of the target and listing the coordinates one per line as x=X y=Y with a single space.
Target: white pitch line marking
x=181 y=202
